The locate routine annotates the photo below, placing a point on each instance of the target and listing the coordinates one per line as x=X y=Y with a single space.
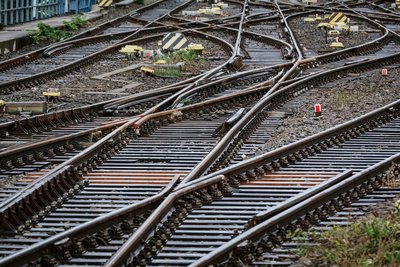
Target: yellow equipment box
x=337 y=45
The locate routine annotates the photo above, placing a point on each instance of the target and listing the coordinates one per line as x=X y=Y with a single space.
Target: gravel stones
x=341 y=101
x=313 y=41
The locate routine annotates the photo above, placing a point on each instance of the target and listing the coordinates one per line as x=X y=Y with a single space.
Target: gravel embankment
x=341 y=101
x=313 y=40
x=232 y=9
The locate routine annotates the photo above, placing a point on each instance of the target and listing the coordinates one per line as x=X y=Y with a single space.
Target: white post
x=34 y=12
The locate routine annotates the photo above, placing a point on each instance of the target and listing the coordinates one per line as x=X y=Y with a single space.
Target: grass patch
x=169 y=72
x=186 y=56
x=343 y=97
x=140 y=2
x=44 y=32
x=373 y=241
x=79 y=21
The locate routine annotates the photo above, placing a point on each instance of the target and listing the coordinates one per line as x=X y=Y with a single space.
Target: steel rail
x=361 y=49
x=208 y=75
x=79 y=63
x=31 y=148
x=135 y=240
x=366 y=18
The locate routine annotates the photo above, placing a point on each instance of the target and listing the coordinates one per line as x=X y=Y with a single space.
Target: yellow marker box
x=333 y=32
x=147 y=70
x=337 y=45
x=51 y=93
x=161 y=61
x=195 y=47
x=128 y=49
x=309 y=19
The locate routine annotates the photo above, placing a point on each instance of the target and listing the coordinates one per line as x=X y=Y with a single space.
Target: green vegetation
x=186 y=56
x=70 y=26
x=169 y=72
x=373 y=241
x=44 y=32
x=140 y=2
x=79 y=21
x=343 y=97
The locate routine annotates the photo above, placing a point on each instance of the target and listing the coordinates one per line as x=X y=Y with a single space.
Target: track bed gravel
x=306 y=31
x=341 y=101
x=79 y=88
x=232 y=9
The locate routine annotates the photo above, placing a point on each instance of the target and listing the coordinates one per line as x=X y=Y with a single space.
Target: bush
x=79 y=21
x=70 y=26
x=44 y=32
x=75 y=23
